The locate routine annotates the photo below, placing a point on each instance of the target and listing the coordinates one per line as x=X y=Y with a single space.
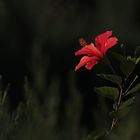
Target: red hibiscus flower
x=93 y=53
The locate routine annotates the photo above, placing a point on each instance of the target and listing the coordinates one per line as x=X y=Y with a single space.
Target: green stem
x=120 y=97
x=131 y=85
x=114 y=121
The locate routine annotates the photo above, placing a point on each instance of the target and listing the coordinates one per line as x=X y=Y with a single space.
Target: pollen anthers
x=82 y=42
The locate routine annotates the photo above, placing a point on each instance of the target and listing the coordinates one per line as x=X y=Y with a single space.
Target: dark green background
x=38 y=39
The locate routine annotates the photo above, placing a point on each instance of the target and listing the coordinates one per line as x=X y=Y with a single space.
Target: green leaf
x=137 y=52
x=113 y=114
x=110 y=77
x=109 y=92
x=118 y=56
x=137 y=60
x=127 y=103
x=5 y=94
x=123 y=112
x=134 y=89
x=97 y=134
x=120 y=113
x=133 y=59
x=127 y=67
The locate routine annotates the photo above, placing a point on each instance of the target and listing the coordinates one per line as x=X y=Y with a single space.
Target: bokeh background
x=46 y=99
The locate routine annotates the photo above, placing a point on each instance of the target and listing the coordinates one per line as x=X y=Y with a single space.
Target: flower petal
x=90 y=64
x=89 y=50
x=88 y=61
x=101 y=39
x=109 y=43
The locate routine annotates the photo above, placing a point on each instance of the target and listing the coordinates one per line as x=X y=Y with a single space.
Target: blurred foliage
x=37 y=39
x=42 y=119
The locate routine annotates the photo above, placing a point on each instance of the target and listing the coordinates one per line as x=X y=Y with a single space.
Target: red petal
x=109 y=43
x=90 y=65
x=89 y=50
x=101 y=39
x=88 y=61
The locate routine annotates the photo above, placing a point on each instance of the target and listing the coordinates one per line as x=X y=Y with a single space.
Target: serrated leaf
x=110 y=77
x=134 y=89
x=109 y=92
x=97 y=134
x=127 y=103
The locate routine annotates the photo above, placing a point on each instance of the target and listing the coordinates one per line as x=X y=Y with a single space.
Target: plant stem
x=114 y=121
x=131 y=84
x=120 y=97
